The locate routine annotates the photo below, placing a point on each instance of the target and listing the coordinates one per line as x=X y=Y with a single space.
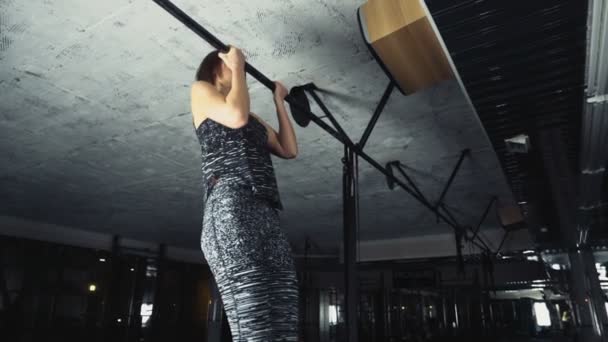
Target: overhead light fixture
x=333 y=314
x=541 y=314
x=518 y=144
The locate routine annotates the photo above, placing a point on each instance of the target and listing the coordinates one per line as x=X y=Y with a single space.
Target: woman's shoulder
x=202 y=86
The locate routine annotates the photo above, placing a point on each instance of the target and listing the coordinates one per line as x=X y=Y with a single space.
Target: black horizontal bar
x=210 y=38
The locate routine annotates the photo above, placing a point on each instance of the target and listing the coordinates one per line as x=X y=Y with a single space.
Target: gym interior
x=450 y=184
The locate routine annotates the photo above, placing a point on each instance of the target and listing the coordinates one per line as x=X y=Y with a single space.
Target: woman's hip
x=244 y=229
x=237 y=200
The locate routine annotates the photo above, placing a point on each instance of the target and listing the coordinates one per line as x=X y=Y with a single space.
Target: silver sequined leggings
x=251 y=261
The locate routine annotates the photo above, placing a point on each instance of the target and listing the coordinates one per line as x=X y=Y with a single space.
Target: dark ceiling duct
x=523 y=66
x=594 y=141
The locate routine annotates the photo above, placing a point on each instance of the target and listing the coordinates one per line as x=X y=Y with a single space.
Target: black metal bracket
x=395 y=164
x=311 y=87
x=460 y=260
x=409 y=180
x=484 y=215
x=462 y=230
x=377 y=112
x=502 y=242
x=443 y=207
x=464 y=153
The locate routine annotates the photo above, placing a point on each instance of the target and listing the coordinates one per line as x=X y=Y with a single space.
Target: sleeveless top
x=237 y=155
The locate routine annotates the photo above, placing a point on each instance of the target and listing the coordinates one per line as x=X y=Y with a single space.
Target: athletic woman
x=247 y=252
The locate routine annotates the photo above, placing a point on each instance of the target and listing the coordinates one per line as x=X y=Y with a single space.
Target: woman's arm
x=282 y=144
x=238 y=96
x=286 y=135
x=231 y=110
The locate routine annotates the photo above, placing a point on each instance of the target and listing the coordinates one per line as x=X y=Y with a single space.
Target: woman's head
x=213 y=70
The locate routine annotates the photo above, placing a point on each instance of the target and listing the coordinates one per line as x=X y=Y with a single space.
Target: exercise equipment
x=352 y=151
x=401 y=38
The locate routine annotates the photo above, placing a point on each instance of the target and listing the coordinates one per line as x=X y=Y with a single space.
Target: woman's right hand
x=234 y=59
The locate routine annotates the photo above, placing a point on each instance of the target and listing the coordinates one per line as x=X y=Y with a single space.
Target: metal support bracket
x=311 y=87
x=377 y=112
x=484 y=215
x=464 y=153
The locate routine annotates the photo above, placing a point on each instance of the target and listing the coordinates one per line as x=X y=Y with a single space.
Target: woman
x=246 y=250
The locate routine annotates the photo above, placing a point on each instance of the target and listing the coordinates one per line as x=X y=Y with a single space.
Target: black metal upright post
x=349 y=188
x=111 y=301
x=158 y=328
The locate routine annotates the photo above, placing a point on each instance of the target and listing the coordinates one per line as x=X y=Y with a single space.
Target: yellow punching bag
x=401 y=37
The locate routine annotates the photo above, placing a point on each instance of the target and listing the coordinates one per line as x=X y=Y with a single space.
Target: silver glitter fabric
x=239 y=155
x=244 y=245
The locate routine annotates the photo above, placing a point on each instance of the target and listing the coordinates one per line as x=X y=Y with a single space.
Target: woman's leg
x=219 y=264
x=252 y=264
x=282 y=282
x=283 y=287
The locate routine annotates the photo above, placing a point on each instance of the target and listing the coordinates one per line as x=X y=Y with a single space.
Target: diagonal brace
x=377 y=112
x=483 y=216
x=456 y=168
x=311 y=90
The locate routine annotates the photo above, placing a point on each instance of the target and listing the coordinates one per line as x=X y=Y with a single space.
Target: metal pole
x=483 y=217
x=379 y=108
x=447 y=185
x=159 y=294
x=350 y=252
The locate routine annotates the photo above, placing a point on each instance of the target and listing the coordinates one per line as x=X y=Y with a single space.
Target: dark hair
x=209 y=67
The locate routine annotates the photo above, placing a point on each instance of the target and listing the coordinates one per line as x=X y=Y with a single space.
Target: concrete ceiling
x=96 y=130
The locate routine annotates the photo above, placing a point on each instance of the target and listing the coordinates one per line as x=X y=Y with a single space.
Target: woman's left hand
x=280 y=92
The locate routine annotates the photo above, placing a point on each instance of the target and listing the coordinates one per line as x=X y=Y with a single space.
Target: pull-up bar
x=338 y=134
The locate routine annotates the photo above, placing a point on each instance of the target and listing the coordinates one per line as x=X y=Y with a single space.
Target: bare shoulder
x=199 y=91
x=202 y=87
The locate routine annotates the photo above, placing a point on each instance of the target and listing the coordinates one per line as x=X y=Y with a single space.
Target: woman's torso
x=237 y=156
